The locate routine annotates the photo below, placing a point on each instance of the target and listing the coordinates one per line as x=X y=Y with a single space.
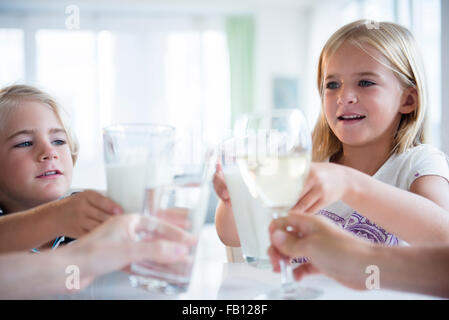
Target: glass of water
x=182 y=203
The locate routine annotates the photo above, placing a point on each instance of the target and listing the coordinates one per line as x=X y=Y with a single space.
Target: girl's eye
x=366 y=83
x=24 y=144
x=332 y=85
x=59 y=142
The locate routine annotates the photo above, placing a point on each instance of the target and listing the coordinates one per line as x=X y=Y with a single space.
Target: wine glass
x=273 y=156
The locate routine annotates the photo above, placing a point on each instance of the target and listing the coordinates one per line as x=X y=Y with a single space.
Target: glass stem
x=286 y=272
x=287 y=279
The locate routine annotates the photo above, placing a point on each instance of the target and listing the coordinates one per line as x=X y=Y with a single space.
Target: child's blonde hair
x=398 y=46
x=12 y=95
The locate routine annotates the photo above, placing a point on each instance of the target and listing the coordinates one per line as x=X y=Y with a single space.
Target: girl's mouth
x=352 y=118
x=49 y=174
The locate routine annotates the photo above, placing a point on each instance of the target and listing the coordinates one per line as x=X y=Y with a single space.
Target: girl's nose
x=48 y=153
x=346 y=98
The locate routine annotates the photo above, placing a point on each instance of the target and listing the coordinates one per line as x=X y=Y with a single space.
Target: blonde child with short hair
x=37 y=153
x=373 y=175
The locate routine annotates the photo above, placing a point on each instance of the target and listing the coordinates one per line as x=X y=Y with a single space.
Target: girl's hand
x=325 y=184
x=330 y=249
x=220 y=186
x=79 y=214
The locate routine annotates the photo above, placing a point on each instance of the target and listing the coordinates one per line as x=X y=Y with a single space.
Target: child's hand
x=325 y=184
x=220 y=186
x=82 y=212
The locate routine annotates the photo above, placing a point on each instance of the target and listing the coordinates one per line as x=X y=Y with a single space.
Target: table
x=214 y=279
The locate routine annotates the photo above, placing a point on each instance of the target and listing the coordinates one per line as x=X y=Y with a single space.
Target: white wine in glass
x=274 y=156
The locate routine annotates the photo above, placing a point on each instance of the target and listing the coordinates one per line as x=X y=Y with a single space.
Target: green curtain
x=240 y=34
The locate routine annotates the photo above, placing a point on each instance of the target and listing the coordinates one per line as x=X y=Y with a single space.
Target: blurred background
x=194 y=63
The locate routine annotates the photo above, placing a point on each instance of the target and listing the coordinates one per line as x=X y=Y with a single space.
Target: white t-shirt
x=400 y=170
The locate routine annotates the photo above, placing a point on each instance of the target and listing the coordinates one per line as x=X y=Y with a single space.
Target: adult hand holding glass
x=134 y=239
x=329 y=249
x=345 y=258
x=109 y=247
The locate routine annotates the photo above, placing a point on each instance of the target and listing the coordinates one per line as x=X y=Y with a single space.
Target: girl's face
x=363 y=99
x=35 y=159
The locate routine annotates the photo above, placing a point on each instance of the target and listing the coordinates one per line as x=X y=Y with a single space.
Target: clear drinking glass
x=182 y=203
x=251 y=217
x=273 y=155
x=133 y=154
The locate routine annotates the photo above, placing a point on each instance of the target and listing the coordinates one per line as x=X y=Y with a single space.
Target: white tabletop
x=215 y=279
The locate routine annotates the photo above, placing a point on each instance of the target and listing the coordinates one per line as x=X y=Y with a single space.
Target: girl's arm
x=28 y=229
x=224 y=216
x=434 y=188
x=225 y=225
x=412 y=217
x=73 y=216
x=409 y=216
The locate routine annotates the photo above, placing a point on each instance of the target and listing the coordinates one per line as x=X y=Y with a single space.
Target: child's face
x=362 y=97
x=35 y=159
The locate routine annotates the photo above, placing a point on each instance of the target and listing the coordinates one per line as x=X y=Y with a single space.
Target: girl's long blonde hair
x=12 y=95
x=399 y=47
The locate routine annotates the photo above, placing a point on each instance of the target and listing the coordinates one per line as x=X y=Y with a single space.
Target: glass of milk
x=182 y=203
x=136 y=156
x=251 y=217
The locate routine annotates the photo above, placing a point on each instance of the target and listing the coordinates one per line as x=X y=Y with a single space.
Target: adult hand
x=330 y=249
x=325 y=184
x=130 y=238
x=176 y=216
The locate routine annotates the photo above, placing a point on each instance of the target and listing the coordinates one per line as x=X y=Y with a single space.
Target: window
x=141 y=70
x=11 y=56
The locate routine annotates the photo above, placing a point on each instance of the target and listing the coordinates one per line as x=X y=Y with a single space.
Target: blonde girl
x=37 y=154
x=370 y=139
x=373 y=175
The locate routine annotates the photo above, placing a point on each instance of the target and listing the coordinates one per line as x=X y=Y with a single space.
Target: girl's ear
x=409 y=100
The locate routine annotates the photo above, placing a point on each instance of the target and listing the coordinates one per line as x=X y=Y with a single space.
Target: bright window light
x=11 y=57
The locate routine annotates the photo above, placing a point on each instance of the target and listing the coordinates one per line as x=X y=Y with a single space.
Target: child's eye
x=332 y=85
x=366 y=83
x=59 y=142
x=24 y=144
